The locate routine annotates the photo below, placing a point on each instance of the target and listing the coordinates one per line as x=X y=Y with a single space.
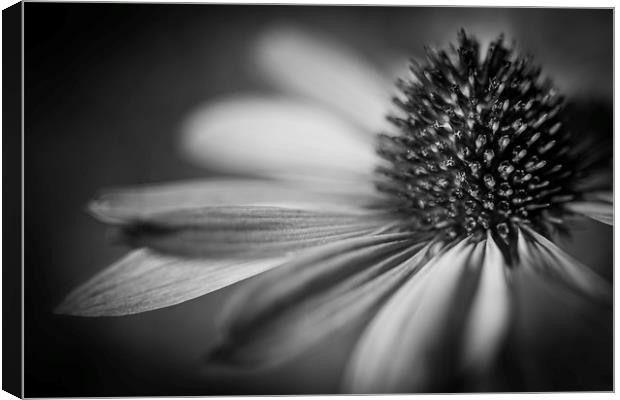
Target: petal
x=489 y=319
x=288 y=310
x=249 y=231
x=139 y=202
x=604 y=196
x=597 y=210
x=325 y=264
x=600 y=179
x=410 y=345
x=561 y=340
x=321 y=70
x=145 y=280
x=552 y=263
x=276 y=137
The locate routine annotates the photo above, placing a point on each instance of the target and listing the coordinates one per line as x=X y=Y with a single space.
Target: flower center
x=480 y=145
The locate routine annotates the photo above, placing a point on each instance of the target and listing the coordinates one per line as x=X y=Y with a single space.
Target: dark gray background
x=106 y=87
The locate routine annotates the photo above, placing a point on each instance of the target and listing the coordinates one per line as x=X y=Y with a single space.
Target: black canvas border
x=12 y=157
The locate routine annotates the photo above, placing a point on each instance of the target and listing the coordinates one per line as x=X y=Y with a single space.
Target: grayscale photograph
x=229 y=199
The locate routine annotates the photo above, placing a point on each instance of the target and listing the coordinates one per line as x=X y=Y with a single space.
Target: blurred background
x=106 y=89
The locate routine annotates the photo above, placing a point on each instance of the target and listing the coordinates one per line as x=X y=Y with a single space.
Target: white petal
x=276 y=137
x=598 y=210
x=558 y=332
x=319 y=69
x=604 y=196
x=324 y=261
x=144 y=280
x=600 y=179
x=409 y=344
x=554 y=264
x=286 y=311
x=140 y=202
x=490 y=314
x=244 y=231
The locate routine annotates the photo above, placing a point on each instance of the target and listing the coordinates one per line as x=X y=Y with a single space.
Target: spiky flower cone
x=481 y=145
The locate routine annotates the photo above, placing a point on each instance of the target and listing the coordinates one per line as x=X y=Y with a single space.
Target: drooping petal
x=323 y=71
x=412 y=344
x=139 y=202
x=553 y=263
x=604 y=196
x=248 y=231
x=561 y=340
x=145 y=280
x=599 y=179
x=322 y=265
x=276 y=137
x=601 y=211
x=490 y=315
x=290 y=309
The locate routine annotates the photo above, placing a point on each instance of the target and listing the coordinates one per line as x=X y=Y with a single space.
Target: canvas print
x=278 y=200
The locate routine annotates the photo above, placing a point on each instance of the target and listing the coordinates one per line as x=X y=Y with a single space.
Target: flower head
x=481 y=146
x=434 y=258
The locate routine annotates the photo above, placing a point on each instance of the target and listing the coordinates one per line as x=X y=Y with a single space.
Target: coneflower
x=481 y=147
x=430 y=256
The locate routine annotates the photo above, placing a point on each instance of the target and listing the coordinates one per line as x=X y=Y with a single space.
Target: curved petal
x=288 y=310
x=598 y=210
x=558 y=333
x=321 y=70
x=145 y=280
x=490 y=315
x=248 y=231
x=552 y=263
x=140 y=202
x=276 y=137
x=604 y=196
x=600 y=179
x=410 y=346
